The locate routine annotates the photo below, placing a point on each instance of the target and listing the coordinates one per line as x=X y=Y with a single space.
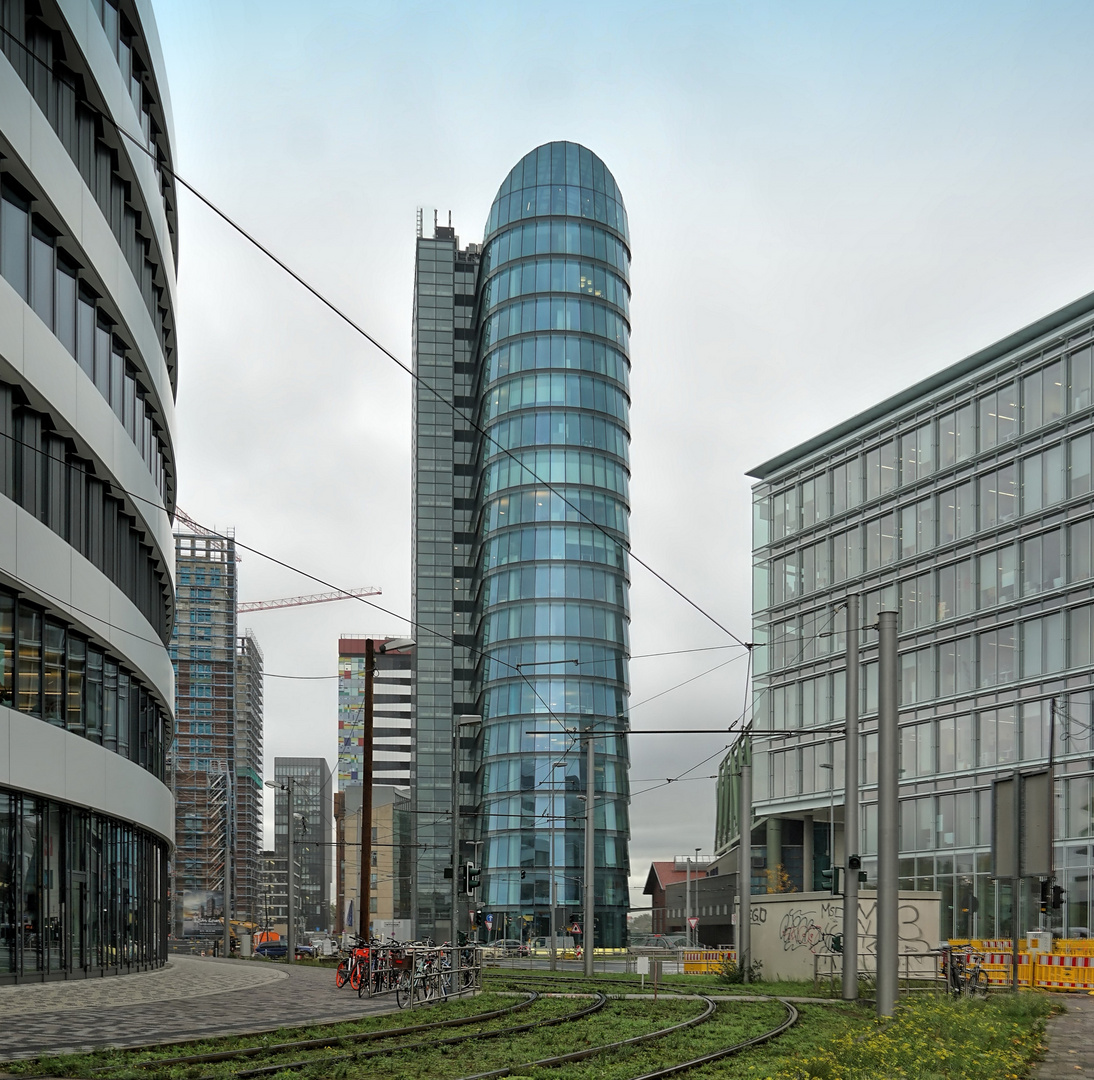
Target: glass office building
x=964 y=504
x=87 y=488
x=535 y=576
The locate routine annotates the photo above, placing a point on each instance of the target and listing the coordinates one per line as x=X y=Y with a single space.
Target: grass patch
x=931 y=1037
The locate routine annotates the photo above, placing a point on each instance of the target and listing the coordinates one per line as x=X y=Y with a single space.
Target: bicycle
x=963 y=972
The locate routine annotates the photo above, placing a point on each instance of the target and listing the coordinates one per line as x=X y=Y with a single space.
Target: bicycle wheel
x=978 y=982
x=364 y=980
x=341 y=974
x=403 y=990
x=355 y=977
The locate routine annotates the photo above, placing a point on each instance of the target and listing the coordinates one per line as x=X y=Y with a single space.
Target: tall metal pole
x=851 y=861
x=1016 y=885
x=290 y=785
x=1051 y=806
x=590 y=851
x=551 y=890
x=364 y=920
x=227 y=905
x=744 y=869
x=888 y=744
x=455 y=830
x=687 y=902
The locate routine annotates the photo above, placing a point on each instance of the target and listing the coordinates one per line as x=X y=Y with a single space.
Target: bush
x=733 y=974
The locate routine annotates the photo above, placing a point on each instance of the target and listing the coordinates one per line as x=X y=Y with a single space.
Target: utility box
x=245 y=946
x=1039 y=941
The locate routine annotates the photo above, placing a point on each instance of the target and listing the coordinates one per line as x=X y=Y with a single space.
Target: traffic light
x=474 y=876
x=830 y=878
x=1057 y=897
x=837 y=943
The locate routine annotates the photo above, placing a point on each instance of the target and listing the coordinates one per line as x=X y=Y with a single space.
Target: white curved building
x=87 y=485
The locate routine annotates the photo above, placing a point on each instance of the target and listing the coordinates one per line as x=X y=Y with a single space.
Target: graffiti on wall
x=812 y=928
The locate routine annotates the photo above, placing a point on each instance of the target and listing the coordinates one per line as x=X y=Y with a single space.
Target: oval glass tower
x=553 y=343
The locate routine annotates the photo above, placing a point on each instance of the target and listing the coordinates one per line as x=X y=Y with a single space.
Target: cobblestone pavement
x=193 y=997
x=1070 y=1039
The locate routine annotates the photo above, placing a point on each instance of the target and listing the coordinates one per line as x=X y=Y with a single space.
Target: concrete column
x=774 y=849
x=807 y=853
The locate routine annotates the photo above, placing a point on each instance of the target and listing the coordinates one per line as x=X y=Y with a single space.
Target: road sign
x=575 y=929
x=693 y=921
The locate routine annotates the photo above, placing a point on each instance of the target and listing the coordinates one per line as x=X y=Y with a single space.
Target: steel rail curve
x=736 y=1048
x=330 y=1040
x=579 y=1055
x=596 y=1006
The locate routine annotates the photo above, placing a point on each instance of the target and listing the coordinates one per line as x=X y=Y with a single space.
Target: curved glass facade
x=553 y=339
x=87 y=487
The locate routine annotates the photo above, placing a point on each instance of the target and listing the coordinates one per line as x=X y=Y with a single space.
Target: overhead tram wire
x=355 y=326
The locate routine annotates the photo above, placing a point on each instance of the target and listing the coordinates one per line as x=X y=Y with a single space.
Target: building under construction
x=216 y=761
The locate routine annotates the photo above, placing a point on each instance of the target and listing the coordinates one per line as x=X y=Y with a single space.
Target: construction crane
x=315 y=598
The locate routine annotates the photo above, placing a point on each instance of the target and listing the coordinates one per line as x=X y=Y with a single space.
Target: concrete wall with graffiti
x=790 y=929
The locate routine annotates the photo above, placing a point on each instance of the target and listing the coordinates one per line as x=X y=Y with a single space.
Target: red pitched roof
x=664 y=873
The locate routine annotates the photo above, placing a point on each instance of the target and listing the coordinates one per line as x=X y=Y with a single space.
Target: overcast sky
x=827 y=201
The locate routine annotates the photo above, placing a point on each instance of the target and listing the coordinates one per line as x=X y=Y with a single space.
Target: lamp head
x=395 y=644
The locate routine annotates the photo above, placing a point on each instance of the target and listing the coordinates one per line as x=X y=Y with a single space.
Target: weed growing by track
x=930 y=1038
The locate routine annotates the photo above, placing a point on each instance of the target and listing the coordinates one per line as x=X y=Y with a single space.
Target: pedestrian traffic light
x=474 y=875
x=830 y=879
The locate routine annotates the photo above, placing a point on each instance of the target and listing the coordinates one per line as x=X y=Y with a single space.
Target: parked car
x=506 y=947
x=278 y=950
x=658 y=941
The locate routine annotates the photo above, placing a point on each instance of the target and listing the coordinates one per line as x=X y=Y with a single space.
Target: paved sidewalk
x=1070 y=1040
x=193 y=997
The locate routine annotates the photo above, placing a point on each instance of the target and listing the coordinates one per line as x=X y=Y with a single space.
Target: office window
x=916 y=677
x=1043 y=645
x=881 y=541
x=955 y=594
x=1079 y=465
x=1042 y=562
x=956 y=436
x=846 y=554
x=1080 y=640
x=847 y=485
x=998 y=496
x=1079 y=563
x=956 y=513
x=916 y=454
x=997 y=656
x=998 y=577
x=915 y=602
x=1043 y=396
x=955 y=664
x=1079 y=381
x=814 y=500
x=881 y=470
x=998 y=416
x=1044 y=479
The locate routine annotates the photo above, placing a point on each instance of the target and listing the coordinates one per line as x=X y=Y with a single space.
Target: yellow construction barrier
x=1070 y=965
x=707 y=961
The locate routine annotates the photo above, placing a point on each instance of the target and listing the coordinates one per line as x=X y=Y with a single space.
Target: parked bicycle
x=963 y=972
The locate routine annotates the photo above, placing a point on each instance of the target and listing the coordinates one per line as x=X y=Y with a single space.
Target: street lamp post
x=830 y=765
x=288 y=787
x=590 y=852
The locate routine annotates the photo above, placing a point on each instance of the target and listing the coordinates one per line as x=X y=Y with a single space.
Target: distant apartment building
x=273 y=892
x=391 y=714
x=389 y=888
x=217 y=758
x=312 y=835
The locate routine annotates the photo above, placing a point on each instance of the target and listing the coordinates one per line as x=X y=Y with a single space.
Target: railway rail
x=299 y=1054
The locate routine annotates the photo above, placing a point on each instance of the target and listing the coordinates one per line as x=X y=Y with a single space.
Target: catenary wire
x=360 y=330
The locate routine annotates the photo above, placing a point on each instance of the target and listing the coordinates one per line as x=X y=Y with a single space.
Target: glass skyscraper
x=964 y=504
x=521 y=541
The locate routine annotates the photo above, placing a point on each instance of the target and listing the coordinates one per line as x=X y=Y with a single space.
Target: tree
x=778 y=880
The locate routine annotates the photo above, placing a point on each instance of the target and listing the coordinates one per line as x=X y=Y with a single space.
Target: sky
x=827 y=202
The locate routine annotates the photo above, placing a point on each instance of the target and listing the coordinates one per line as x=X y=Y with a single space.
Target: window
x=956 y=513
x=955 y=664
x=916 y=681
x=956 y=436
x=1079 y=379
x=999 y=416
x=1079 y=466
x=998 y=579
x=955 y=594
x=1044 y=479
x=917 y=528
x=847 y=485
x=881 y=541
x=1079 y=563
x=785 y=513
x=997 y=656
x=1042 y=562
x=916 y=456
x=1043 y=645
x=998 y=737
x=1043 y=396
x=998 y=496
x=814 y=500
x=1080 y=639
x=846 y=555
x=915 y=602
x=881 y=470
